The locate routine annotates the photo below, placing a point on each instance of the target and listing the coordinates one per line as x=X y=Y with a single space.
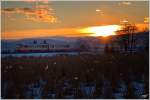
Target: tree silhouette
x=106 y=49
x=130 y=92
x=128 y=38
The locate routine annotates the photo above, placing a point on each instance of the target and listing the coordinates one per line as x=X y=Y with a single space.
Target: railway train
x=45 y=47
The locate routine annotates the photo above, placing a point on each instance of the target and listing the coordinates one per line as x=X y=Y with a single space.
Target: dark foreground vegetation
x=82 y=76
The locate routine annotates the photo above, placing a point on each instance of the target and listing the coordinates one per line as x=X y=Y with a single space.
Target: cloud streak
x=146 y=20
x=43 y=1
x=99 y=11
x=125 y=3
x=67 y=32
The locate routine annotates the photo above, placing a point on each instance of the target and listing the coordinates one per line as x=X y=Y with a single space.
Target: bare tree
x=129 y=30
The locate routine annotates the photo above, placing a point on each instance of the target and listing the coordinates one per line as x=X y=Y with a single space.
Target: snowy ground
x=72 y=77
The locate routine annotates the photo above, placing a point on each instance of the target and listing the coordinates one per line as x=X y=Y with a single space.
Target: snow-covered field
x=39 y=54
x=82 y=77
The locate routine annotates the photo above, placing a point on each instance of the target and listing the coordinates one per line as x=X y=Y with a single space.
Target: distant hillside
x=11 y=44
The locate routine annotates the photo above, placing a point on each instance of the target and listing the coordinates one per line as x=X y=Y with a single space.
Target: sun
x=101 y=30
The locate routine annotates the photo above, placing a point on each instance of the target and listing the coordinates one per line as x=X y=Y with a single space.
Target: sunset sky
x=28 y=19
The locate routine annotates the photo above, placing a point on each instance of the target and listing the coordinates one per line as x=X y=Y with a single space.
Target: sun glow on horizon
x=101 y=30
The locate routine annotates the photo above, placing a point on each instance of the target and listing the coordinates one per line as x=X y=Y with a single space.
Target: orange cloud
x=146 y=20
x=38 y=13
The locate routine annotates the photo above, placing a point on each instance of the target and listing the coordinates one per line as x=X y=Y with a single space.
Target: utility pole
x=132 y=30
x=125 y=30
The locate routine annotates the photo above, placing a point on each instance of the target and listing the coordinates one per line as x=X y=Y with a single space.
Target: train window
x=67 y=46
x=52 y=46
x=25 y=46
